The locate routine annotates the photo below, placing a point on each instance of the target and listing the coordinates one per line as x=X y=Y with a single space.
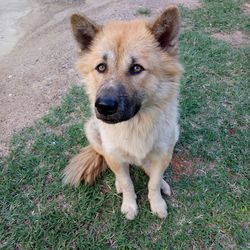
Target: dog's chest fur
x=132 y=141
x=128 y=145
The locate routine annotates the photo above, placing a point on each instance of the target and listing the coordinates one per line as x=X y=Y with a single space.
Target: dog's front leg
x=125 y=186
x=155 y=168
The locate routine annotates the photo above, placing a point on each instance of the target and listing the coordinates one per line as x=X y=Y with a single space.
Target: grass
x=208 y=210
x=143 y=12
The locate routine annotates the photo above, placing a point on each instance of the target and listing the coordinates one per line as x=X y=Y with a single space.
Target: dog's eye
x=101 y=68
x=136 y=69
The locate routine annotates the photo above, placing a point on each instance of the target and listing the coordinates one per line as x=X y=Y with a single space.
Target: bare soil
x=182 y=165
x=236 y=39
x=40 y=68
x=247 y=8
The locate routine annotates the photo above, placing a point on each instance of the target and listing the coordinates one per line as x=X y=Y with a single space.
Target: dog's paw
x=159 y=208
x=118 y=187
x=129 y=209
x=165 y=188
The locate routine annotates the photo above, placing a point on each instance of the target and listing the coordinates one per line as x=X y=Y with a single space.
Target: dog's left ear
x=166 y=29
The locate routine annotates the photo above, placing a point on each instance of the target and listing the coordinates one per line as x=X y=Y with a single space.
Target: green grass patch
x=220 y=16
x=143 y=12
x=209 y=209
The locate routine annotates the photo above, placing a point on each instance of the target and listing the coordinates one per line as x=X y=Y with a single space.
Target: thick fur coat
x=132 y=75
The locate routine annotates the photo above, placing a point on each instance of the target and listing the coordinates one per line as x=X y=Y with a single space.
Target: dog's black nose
x=106 y=105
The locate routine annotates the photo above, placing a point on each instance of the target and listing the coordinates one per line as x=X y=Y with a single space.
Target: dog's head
x=128 y=66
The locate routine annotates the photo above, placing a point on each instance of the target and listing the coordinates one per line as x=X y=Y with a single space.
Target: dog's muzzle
x=113 y=103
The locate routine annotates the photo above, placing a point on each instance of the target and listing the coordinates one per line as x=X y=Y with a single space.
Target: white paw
x=129 y=209
x=165 y=188
x=117 y=187
x=159 y=207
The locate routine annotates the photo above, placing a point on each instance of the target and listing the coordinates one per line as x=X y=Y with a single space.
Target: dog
x=131 y=73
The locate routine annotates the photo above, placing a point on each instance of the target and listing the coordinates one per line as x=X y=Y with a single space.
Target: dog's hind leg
x=125 y=186
x=93 y=136
x=165 y=188
x=89 y=163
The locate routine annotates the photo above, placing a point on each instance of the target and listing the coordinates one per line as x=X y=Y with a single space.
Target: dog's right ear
x=84 y=30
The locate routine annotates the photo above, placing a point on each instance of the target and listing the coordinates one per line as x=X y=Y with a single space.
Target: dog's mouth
x=118 y=116
x=114 y=104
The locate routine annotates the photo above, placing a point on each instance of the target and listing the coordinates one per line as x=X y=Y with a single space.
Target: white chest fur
x=133 y=140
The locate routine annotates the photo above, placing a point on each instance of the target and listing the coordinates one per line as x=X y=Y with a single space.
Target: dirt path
x=38 y=71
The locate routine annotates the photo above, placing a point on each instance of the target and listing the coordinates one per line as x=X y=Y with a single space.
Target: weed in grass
x=143 y=12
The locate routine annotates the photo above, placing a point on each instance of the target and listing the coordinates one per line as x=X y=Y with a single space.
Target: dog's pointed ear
x=84 y=30
x=166 y=28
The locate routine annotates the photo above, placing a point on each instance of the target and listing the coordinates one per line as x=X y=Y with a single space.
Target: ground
x=38 y=71
x=209 y=174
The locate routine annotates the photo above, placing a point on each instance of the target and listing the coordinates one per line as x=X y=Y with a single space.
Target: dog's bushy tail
x=85 y=166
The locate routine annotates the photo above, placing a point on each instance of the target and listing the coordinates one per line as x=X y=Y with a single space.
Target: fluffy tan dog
x=132 y=74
